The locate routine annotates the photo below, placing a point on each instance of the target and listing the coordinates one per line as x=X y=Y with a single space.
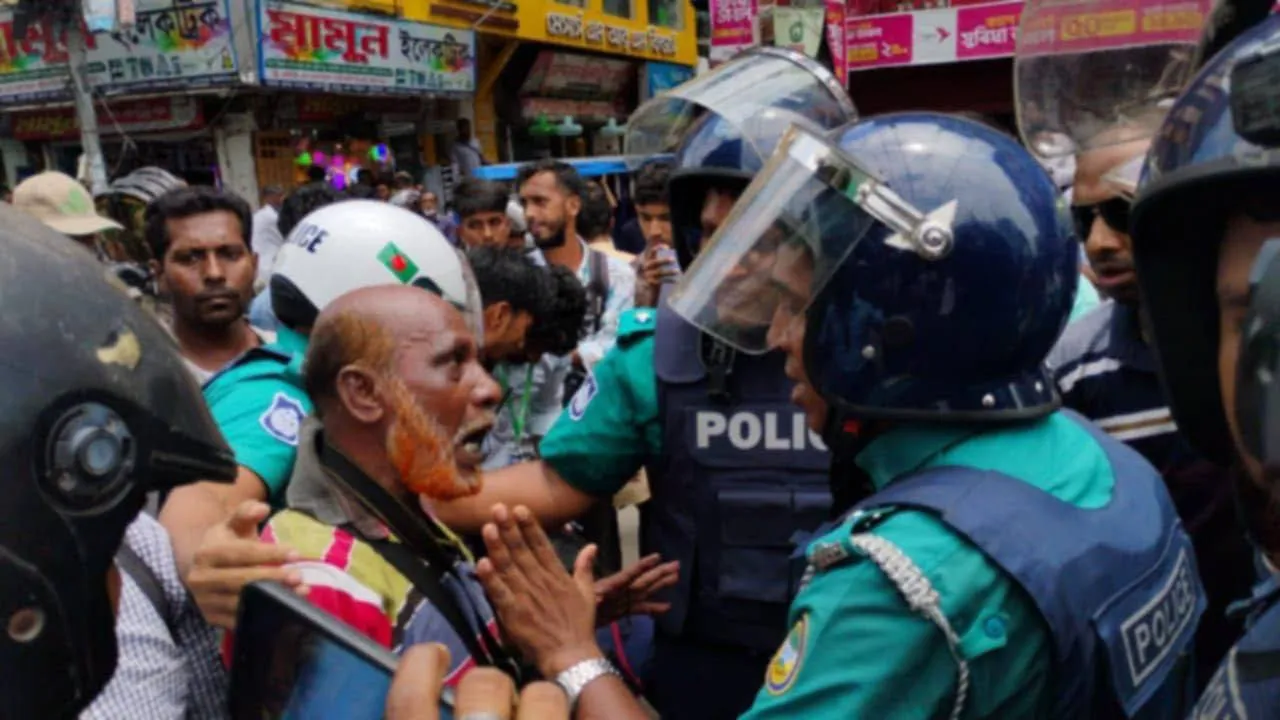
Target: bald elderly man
x=402 y=403
x=401 y=400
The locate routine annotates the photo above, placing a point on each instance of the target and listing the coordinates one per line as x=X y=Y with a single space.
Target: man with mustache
x=401 y=405
x=204 y=265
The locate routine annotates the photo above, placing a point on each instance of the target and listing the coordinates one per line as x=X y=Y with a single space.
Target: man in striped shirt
x=402 y=404
x=1106 y=371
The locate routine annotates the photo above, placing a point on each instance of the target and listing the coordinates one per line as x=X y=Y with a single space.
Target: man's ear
x=573 y=205
x=497 y=315
x=360 y=394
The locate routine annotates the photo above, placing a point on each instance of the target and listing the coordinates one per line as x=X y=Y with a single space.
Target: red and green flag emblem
x=398 y=263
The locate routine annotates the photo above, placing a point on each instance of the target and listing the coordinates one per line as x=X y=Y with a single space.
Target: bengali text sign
x=878 y=41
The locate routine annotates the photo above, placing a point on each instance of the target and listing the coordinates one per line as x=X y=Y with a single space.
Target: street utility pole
x=86 y=113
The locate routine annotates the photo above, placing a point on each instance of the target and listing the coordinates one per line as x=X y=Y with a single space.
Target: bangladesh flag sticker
x=398 y=263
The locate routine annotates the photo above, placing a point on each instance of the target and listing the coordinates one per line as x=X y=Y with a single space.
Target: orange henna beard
x=420 y=452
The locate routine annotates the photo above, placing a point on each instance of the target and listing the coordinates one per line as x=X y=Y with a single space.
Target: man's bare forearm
x=535 y=485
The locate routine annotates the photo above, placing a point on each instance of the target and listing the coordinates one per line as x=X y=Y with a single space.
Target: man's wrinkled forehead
x=436 y=332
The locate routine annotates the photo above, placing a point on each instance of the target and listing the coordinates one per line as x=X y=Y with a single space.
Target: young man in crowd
x=517 y=295
x=204 y=266
x=482 y=214
x=266 y=231
x=656 y=264
x=552 y=195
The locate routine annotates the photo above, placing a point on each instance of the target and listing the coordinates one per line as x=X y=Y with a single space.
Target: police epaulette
x=637 y=323
x=829 y=553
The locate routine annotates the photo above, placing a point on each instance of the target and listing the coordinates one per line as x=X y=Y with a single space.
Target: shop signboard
x=320 y=49
x=735 y=26
x=990 y=30
x=931 y=37
x=172 y=42
x=1109 y=24
x=33 y=67
x=125 y=117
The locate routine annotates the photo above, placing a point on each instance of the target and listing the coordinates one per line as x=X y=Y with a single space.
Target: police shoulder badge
x=283 y=419
x=582 y=398
x=785 y=666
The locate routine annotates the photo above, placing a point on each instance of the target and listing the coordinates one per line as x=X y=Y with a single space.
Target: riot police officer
x=1012 y=560
x=99 y=410
x=734 y=472
x=1204 y=216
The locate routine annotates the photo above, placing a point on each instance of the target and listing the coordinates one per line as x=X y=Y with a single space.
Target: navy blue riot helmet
x=714 y=155
x=1215 y=154
x=929 y=259
x=720 y=134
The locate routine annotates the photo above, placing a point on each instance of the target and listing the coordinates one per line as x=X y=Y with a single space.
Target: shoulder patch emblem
x=786 y=663
x=582 y=398
x=283 y=420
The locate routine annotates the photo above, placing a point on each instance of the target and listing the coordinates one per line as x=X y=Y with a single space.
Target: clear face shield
x=1089 y=74
x=797 y=222
x=755 y=93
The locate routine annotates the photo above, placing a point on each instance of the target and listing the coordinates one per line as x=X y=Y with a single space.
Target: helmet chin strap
x=846 y=437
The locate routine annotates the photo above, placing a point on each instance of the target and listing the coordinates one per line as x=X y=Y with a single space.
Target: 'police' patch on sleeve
x=582 y=398
x=283 y=420
x=786 y=663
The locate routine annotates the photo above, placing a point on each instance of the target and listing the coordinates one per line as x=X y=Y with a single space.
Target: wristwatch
x=576 y=679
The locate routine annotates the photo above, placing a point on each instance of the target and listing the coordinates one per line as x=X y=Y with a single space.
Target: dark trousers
x=703 y=681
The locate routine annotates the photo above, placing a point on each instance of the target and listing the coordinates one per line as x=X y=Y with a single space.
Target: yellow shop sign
x=616 y=27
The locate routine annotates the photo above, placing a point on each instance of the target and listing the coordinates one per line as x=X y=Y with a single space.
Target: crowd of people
x=890 y=466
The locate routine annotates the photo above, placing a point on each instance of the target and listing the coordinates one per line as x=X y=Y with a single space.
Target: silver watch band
x=576 y=679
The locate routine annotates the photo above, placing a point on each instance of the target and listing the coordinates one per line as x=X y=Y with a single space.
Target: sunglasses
x=1114 y=212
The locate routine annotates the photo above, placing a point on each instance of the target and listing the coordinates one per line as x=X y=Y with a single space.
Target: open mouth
x=469 y=444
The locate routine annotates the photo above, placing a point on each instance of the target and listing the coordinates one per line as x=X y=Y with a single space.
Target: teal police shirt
x=856 y=649
x=259 y=404
x=611 y=426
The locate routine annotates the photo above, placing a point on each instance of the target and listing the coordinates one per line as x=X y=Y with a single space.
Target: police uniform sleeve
x=856 y=648
x=611 y=425
x=261 y=419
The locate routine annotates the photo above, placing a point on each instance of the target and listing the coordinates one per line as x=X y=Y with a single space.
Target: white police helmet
x=362 y=243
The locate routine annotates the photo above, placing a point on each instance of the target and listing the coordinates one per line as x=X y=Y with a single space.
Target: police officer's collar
x=903 y=449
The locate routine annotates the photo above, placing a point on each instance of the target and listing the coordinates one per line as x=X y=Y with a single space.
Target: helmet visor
x=780 y=244
x=1089 y=73
x=785 y=87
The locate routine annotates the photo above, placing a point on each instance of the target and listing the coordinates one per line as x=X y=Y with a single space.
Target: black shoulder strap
x=426 y=578
x=419 y=542
x=598 y=287
x=142 y=576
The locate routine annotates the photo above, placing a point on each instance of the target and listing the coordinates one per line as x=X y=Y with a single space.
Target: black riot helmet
x=96 y=409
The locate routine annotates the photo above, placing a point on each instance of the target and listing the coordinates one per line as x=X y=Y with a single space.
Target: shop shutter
x=273 y=156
